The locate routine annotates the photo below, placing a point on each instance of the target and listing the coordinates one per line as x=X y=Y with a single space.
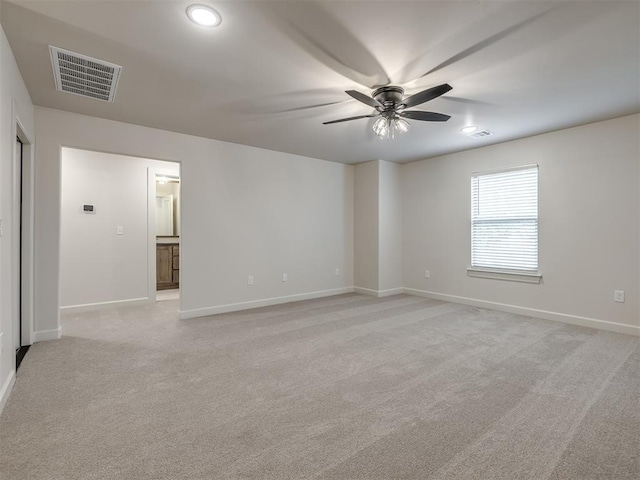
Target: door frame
x=152 y=173
x=22 y=268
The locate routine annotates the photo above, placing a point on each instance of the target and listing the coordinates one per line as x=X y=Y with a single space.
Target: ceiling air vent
x=82 y=75
x=481 y=133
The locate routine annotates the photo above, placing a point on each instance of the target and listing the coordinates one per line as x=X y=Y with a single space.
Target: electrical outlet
x=427 y=274
x=285 y=277
x=250 y=280
x=618 y=296
x=337 y=272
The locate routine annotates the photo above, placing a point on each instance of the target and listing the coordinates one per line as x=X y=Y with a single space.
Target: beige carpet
x=347 y=387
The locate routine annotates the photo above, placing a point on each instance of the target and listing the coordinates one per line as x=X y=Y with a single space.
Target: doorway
x=107 y=230
x=20 y=341
x=167 y=235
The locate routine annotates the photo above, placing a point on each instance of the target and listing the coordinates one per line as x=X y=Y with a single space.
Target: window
x=504 y=224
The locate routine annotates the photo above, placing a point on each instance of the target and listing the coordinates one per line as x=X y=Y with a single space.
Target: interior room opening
x=108 y=228
x=167 y=215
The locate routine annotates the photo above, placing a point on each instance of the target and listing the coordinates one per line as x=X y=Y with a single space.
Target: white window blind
x=504 y=220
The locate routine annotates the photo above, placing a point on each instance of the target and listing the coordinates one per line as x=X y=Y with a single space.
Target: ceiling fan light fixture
x=203 y=15
x=381 y=128
x=386 y=127
x=401 y=125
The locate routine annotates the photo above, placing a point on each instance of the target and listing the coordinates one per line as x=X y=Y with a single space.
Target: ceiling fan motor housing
x=389 y=96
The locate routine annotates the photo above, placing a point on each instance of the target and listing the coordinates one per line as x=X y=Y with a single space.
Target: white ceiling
x=272 y=72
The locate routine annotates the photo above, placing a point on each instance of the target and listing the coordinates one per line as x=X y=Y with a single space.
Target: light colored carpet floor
x=347 y=387
x=162 y=295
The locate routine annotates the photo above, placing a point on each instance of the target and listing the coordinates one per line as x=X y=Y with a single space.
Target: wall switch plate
x=250 y=280
x=618 y=296
x=337 y=272
x=119 y=230
x=285 y=277
x=427 y=274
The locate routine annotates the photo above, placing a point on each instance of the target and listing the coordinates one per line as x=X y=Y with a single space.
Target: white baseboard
x=44 y=335
x=7 y=386
x=234 y=307
x=378 y=293
x=531 y=312
x=366 y=291
x=89 y=307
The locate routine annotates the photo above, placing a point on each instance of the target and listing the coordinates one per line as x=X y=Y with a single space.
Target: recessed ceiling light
x=469 y=129
x=203 y=15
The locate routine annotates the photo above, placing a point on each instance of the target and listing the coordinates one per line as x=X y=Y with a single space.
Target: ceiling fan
x=390 y=107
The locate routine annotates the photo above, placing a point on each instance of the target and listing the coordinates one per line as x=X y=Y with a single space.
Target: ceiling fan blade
x=426 y=95
x=366 y=99
x=321 y=33
x=425 y=116
x=485 y=43
x=307 y=107
x=351 y=118
x=409 y=72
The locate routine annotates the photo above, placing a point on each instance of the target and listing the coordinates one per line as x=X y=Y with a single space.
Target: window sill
x=513 y=276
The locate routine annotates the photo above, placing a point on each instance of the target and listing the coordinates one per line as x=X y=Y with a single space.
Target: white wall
x=366 y=224
x=378 y=228
x=96 y=264
x=589 y=210
x=15 y=105
x=245 y=211
x=390 y=227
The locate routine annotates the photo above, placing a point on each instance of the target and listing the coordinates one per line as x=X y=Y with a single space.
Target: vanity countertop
x=165 y=240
